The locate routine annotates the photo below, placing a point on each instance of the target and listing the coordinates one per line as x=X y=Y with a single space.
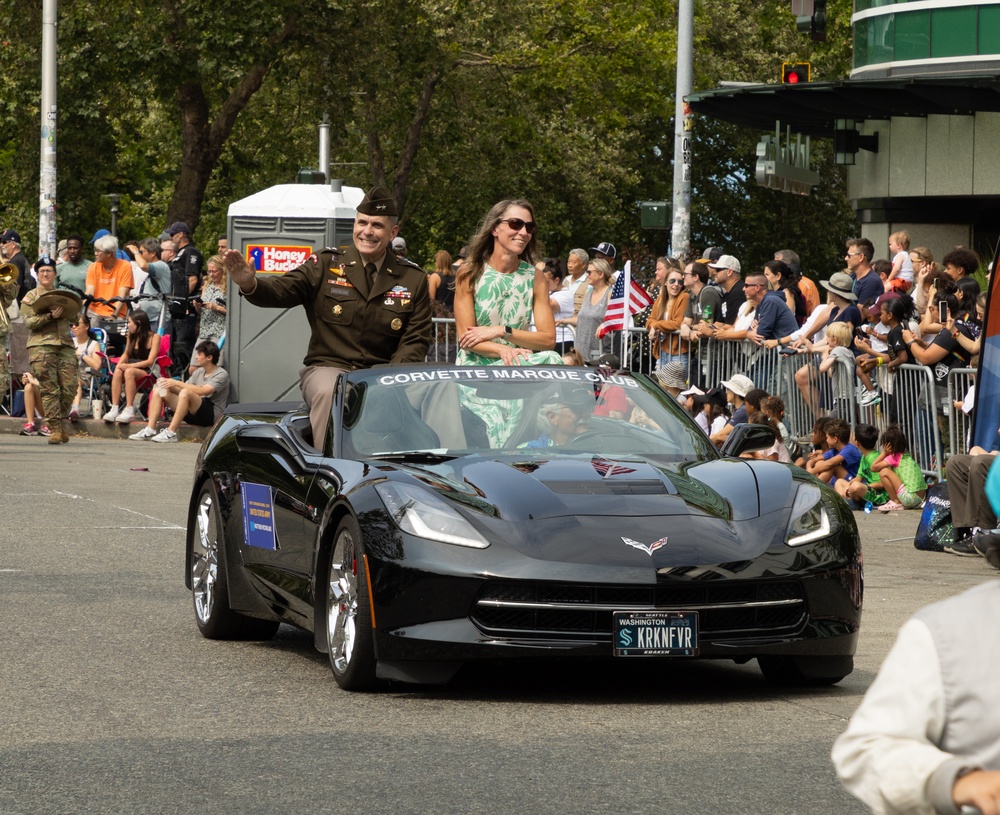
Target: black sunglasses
x=517 y=224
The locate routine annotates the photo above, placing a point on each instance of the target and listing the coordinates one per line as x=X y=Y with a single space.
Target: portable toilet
x=276 y=230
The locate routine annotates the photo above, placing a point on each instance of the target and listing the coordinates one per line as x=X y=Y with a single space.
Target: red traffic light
x=794 y=73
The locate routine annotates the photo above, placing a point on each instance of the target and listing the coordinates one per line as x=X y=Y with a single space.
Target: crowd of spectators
x=131 y=295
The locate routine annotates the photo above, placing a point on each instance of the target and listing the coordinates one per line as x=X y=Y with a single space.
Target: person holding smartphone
x=945 y=352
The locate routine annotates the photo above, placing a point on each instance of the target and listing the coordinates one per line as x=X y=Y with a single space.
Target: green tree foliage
x=182 y=106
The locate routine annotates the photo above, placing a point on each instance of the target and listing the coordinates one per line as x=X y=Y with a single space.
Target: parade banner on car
x=276 y=259
x=986 y=416
x=258 y=516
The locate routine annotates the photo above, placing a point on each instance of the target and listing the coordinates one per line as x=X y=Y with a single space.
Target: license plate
x=655 y=633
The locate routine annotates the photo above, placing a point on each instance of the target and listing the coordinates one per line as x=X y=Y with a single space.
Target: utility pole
x=47 y=175
x=680 y=237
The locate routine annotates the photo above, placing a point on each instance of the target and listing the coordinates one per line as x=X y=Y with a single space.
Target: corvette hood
x=528 y=488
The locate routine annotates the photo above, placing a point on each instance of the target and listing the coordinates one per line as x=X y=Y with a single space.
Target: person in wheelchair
x=562 y=418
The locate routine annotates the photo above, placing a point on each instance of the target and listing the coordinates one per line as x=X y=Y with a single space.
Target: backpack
x=935 y=530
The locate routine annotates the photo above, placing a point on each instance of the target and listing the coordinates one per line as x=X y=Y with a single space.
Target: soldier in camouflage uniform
x=8 y=293
x=51 y=352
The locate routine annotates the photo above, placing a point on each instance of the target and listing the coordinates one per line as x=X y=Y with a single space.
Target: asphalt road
x=112 y=702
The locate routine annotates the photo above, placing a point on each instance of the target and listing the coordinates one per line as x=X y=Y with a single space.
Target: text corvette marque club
x=409 y=541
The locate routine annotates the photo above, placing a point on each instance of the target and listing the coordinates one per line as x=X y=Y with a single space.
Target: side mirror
x=746 y=438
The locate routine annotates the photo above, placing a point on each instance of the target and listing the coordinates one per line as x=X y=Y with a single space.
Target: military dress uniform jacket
x=353 y=327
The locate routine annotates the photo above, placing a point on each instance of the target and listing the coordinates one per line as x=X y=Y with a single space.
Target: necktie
x=371 y=271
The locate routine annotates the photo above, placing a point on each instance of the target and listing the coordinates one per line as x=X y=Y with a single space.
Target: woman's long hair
x=663 y=298
x=788 y=282
x=442 y=262
x=143 y=331
x=481 y=245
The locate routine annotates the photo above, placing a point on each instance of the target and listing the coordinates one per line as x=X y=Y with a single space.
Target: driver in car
x=562 y=418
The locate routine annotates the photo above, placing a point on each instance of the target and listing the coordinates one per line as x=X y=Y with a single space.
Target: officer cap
x=378 y=201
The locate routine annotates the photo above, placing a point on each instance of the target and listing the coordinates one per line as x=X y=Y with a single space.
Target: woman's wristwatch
x=508 y=331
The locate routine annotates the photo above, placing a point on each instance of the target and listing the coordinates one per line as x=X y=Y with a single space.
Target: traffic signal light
x=795 y=73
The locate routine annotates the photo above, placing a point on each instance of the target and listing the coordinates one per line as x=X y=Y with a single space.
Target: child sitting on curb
x=865 y=487
x=899 y=473
x=842 y=459
x=819 y=445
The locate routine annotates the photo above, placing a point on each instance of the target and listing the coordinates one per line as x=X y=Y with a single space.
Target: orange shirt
x=107 y=283
x=810 y=293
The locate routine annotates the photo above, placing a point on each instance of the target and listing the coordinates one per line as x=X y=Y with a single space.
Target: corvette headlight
x=810 y=519
x=427 y=515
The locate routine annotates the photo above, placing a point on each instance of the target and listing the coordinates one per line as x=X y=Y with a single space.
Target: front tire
x=349 y=637
x=209 y=585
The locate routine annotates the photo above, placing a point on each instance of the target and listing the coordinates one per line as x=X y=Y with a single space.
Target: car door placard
x=258 y=516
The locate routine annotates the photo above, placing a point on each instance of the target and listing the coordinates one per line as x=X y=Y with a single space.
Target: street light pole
x=47 y=175
x=680 y=237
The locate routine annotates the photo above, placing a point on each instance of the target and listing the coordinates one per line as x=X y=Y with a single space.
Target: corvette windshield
x=467 y=410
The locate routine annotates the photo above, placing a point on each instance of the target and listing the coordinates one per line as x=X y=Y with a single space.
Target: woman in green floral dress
x=496 y=292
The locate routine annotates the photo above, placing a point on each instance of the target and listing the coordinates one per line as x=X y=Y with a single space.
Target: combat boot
x=58 y=434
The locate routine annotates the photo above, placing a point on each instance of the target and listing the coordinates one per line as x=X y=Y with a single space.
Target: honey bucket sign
x=276 y=259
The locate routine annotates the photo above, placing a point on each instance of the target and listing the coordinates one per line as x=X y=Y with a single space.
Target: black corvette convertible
x=488 y=513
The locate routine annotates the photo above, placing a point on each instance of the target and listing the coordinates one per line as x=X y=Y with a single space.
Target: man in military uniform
x=365 y=306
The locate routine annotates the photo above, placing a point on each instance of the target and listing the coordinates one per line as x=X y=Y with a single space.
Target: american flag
x=638 y=299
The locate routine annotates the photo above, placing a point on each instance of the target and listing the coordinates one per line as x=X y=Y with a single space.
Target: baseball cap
x=711 y=254
x=100 y=233
x=739 y=384
x=178 y=226
x=605 y=248
x=398 y=245
x=694 y=390
x=10 y=235
x=575 y=397
x=726 y=262
x=882 y=298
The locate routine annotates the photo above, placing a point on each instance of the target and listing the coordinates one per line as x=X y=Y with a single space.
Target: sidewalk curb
x=92 y=428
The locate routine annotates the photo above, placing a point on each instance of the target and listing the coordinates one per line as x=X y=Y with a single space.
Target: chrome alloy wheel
x=342 y=601
x=205 y=557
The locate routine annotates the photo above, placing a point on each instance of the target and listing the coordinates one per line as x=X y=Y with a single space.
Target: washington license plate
x=655 y=633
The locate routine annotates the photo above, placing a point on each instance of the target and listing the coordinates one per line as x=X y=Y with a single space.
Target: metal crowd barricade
x=829 y=393
x=444 y=344
x=960 y=424
x=909 y=397
x=910 y=400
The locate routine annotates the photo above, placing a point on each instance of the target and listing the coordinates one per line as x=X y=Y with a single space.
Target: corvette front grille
x=581 y=611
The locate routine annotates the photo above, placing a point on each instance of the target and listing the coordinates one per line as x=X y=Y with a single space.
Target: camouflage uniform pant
x=55 y=367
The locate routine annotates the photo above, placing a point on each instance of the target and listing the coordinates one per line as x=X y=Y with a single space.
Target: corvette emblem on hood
x=647 y=549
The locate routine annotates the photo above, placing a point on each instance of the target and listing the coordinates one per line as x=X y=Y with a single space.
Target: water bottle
x=868 y=507
x=707 y=313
